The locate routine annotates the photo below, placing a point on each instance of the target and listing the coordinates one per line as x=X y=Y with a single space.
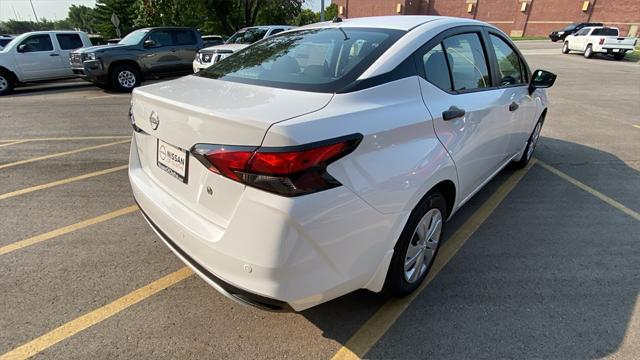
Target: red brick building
x=515 y=17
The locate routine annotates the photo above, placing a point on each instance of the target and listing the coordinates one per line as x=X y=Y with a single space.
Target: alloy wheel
x=4 y=83
x=423 y=245
x=127 y=79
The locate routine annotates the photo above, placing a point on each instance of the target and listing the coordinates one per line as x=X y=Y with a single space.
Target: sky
x=57 y=9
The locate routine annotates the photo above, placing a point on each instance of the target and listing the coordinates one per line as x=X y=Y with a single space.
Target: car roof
x=168 y=27
x=397 y=22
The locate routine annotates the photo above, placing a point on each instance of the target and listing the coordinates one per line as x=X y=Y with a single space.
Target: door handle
x=54 y=54
x=452 y=113
x=513 y=106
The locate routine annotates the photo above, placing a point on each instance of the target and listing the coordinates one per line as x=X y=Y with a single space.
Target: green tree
x=306 y=16
x=330 y=12
x=126 y=11
x=81 y=17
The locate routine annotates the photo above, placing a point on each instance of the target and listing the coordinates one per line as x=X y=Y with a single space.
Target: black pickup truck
x=144 y=53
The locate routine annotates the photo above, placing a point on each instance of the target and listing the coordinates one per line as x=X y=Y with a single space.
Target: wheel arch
x=13 y=75
x=130 y=62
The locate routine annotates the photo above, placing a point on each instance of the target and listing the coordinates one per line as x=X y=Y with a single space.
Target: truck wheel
x=565 y=47
x=6 y=83
x=618 y=56
x=124 y=78
x=417 y=246
x=588 y=53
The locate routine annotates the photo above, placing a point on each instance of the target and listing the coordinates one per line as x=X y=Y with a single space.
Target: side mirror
x=541 y=79
x=150 y=43
x=23 y=48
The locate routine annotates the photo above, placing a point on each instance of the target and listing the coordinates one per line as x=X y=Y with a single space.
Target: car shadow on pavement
x=553 y=273
x=50 y=87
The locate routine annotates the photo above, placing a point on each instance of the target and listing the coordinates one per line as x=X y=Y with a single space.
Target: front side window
x=323 y=60
x=36 y=43
x=467 y=62
x=161 y=38
x=69 y=41
x=436 y=69
x=509 y=63
x=247 y=36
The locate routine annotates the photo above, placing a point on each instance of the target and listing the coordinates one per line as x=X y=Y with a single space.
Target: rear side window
x=468 y=64
x=322 y=60
x=436 y=69
x=69 y=41
x=185 y=37
x=605 y=32
x=509 y=63
x=275 y=31
x=36 y=43
x=161 y=37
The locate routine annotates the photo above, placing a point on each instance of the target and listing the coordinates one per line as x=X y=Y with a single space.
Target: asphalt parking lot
x=543 y=263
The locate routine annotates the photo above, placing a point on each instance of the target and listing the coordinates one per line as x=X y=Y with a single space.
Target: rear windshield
x=321 y=60
x=605 y=32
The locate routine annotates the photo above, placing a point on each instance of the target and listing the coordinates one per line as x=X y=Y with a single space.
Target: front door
x=161 y=57
x=37 y=58
x=469 y=117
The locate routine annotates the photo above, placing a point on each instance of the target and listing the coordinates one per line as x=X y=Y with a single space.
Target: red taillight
x=287 y=171
x=601 y=41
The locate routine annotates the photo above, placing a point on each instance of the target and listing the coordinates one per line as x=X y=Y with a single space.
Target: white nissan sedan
x=327 y=158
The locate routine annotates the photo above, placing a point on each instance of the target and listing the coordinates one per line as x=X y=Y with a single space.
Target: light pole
x=321 y=10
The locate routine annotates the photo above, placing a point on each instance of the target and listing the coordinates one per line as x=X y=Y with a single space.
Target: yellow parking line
x=369 y=334
x=636 y=126
x=65 y=230
x=591 y=191
x=104 y=97
x=9 y=143
x=106 y=137
x=26 y=161
x=61 y=182
x=89 y=319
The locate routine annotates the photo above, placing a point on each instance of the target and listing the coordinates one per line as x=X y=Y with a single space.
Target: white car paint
x=222 y=51
x=39 y=65
x=612 y=44
x=305 y=250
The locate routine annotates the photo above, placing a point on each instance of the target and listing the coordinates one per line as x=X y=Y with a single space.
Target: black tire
x=7 y=82
x=565 y=48
x=554 y=40
x=396 y=283
x=618 y=56
x=124 y=78
x=532 y=142
x=588 y=52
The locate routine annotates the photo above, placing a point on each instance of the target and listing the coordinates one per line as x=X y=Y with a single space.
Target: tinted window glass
x=275 y=31
x=467 y=61
x=4 y=42
x=436 y=69
x=133 y=38
x=605 y=32
x=322 y=60
x=185 y=37
x=37 y=43
x=509 y=64
x=161 y=37
x=69 y=41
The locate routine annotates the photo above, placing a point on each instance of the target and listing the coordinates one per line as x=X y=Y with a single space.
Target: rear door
x=67 y=43
x=186 y=46
x=468 y=110
x=38 y=59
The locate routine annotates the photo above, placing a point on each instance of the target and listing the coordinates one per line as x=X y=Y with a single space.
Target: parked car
x=328 y=158
x=603 y=40
x=212 y=40
x=570 y=29
x=38 y=56
x=4 y=40
x=240 y=40
x=144 y=53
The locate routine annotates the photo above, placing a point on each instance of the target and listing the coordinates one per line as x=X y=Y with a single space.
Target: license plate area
x=173 y=160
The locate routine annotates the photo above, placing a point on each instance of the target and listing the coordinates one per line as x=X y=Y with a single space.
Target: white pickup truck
x=599 y=39
x=38 y=56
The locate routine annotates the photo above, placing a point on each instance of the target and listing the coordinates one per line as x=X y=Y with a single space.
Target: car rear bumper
x=276 y=253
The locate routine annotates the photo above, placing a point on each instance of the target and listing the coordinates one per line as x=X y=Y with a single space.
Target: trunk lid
x=193 y=110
